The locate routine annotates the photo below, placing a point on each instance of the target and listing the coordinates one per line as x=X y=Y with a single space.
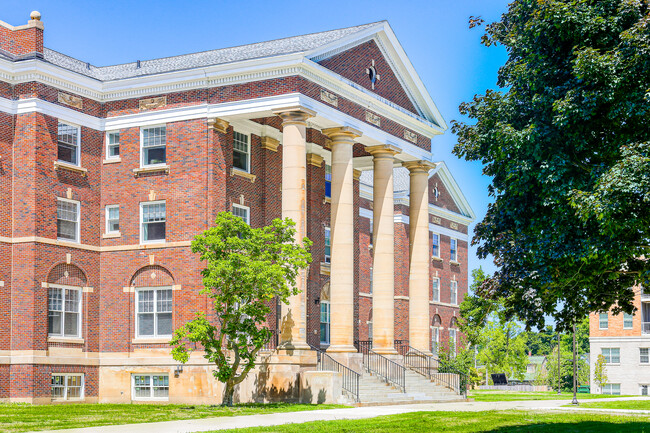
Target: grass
x=489 y=395
x=625 y=404
x=24 y=417
x=466 y=422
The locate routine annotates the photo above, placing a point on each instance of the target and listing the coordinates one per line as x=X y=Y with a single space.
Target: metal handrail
x=350 y=378
x=389 y=371
x=433 y=368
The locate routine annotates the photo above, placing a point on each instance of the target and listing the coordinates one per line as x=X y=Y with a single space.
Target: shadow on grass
x=586 y=426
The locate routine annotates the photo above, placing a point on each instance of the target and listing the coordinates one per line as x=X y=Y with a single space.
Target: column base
x=341 y=349
x=385 y=350
x=294 y=346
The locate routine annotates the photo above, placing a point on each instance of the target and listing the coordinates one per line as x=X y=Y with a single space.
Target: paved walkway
x=223 y=423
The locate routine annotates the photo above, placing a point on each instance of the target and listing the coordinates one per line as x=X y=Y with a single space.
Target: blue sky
x=447 y=55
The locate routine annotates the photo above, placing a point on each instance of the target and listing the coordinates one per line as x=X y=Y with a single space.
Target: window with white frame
x=452 y=341
x=113 y=218
x=603 y=321
x=370 y=281
x=153 y=146
x=453 y=250
x=242 y=212
x=150 y=386
x=328 y=181
x=67 y=386
x=435 y=245
x=67 y=220
x=369 y=323
x=454 y=292
x=435 y=340
x=644 y=355
x=643 y=389
x=628 y=321
x=371 y=234
x=328 y=244
x=68 y=143
x=612 y=389
x=241 y=151
x=64 y=312
x=112 y=145
x=154 y=312
x=612 y=355
x=153 y=220
x=324 y=322
x=435 y=282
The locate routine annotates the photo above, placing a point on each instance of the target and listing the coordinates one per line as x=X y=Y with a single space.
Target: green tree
x=503 y=349
x=246 y=268
x=566 y=367
x=600 y=371
x=565 y=141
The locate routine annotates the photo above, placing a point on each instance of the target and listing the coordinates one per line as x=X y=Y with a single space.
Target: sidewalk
x=223 y=423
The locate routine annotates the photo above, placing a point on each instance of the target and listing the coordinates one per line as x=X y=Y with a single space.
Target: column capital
x=218 y=125
x=342 y=133
x=295 y=114
x=421 y=166
x=383 y=150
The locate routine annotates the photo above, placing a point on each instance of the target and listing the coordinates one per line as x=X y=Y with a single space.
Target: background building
x=107 y=173
x=624 y=341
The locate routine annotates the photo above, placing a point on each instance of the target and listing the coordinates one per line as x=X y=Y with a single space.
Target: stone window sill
x=66 y=340
x=436 y=259
x=243 y=174
x=60 y=165
x=155 y=169
x=112 y=160
x=111 y=235
x=454 y=262
x=154 y=340
x=365 y=295
x=327 y=200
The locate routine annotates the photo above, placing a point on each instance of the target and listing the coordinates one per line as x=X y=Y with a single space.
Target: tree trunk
x=230 y=390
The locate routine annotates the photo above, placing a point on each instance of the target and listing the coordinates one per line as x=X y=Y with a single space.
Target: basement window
x=150 y=386
x=67 y=386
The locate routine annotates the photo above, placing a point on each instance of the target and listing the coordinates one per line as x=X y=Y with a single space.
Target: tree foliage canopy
x=245 y=270
x=567 y=144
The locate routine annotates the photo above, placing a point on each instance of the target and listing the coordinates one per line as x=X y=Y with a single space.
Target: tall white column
x=419 y=254
x=383 y=268
x=342 y=240
x=293 y=333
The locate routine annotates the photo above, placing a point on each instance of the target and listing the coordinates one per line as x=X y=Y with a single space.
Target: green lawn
x=470 y=422
x=489 y=395
x=24 y=417
x=625 y=404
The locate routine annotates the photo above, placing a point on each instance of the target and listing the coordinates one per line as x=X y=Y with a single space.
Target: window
x=644 y=389
x=612 y=355
x=150 y=386
x=452 y=341
x=371 y=280
x=435 y=245
x=372 y=228
x=242 y=212
x=602 y=321
x=240 y=151
x=154 y=146
x=627 y=321
x=328 y=243
x=64 y=312
x=453 y=250
x=153 y=217
x=67 y=386
x=113 y=145
x=324 y=322
x=154 y=312
x=436 y=289
x=454 y=293
x=435 y=340
x=67 y=220
x=328 y=181
x=113 y=219
x=612 y=389
x=644 y=355
x=68 y=143
x=370 y=330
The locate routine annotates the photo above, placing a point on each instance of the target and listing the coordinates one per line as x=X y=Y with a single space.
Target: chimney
x=23 y=41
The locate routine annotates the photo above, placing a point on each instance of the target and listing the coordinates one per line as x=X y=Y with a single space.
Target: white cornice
x=404 y=219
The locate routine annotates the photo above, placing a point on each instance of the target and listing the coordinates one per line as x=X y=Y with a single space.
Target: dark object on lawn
x=499 y=378
x=188 y=408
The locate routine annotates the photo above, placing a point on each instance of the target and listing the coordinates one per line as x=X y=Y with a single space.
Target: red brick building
x=107 y=174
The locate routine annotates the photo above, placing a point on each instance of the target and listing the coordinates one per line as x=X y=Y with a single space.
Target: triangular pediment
x=451 y=197
x=352 y=57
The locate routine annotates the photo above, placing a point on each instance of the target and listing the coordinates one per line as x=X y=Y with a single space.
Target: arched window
x=435 y=333
x=153 y=302
x=65 y=284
